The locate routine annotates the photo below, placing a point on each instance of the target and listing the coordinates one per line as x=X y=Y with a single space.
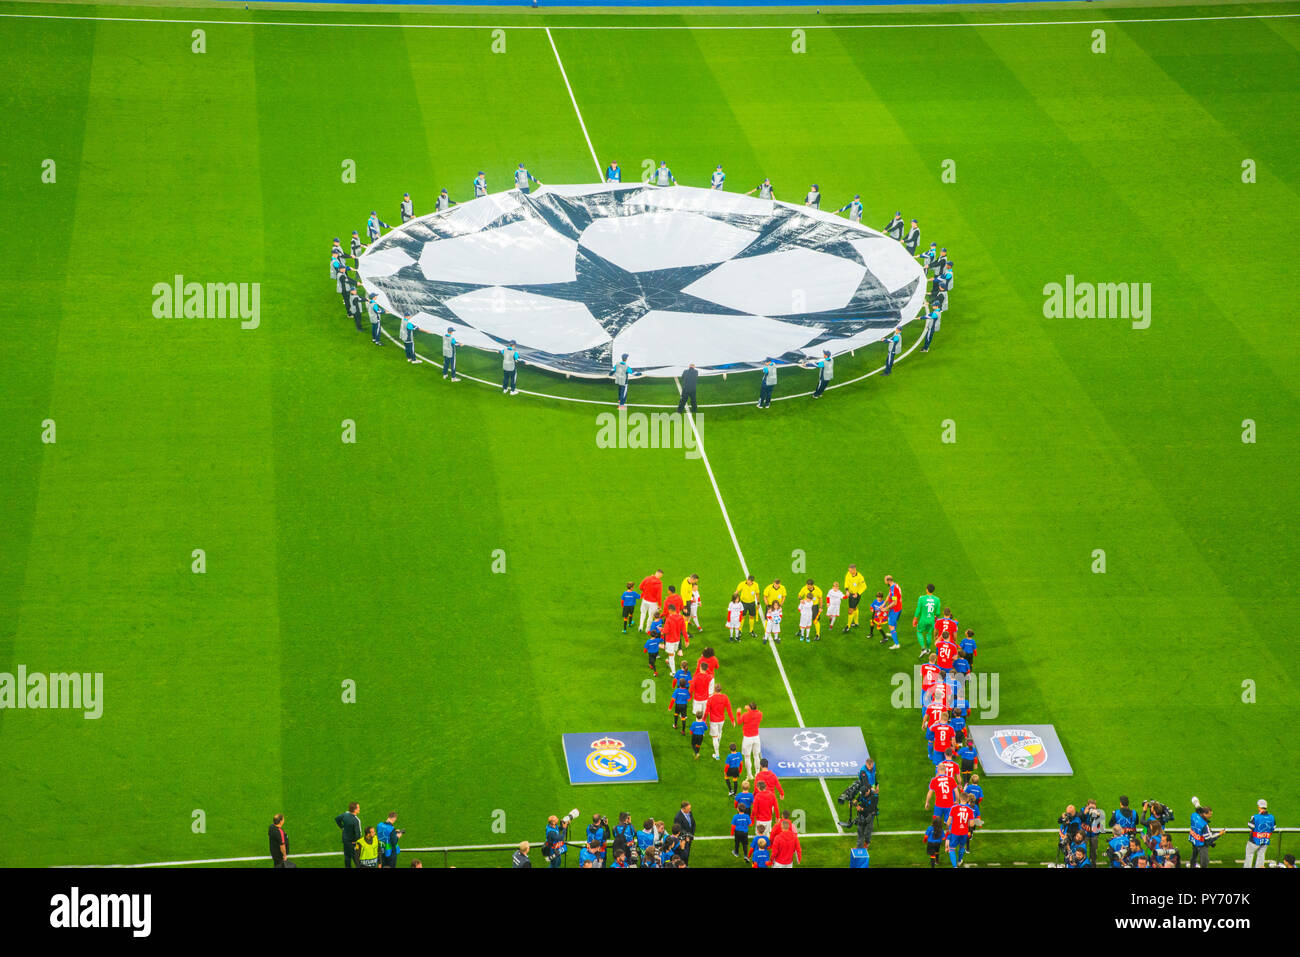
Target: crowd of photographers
x=654 y=844
x=1145 y=837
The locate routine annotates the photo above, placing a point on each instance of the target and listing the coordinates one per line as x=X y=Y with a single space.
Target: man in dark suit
x=350 y=824
x=279 y=842
x=690 y=379
x=687 y=821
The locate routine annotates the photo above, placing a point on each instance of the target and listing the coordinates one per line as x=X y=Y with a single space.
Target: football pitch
x=311 y=573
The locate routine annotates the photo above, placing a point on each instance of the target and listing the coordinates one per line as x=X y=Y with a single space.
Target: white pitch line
x=744 y=567
x=574 y=100
x=1116 y=21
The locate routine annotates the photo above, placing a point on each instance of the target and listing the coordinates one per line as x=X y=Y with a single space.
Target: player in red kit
x=770 y=779
x=942 y=737
x=946 y=653
x=716 y=710
x=708 y=662
x=942 y=790
x=652 y=590
x=750 y=746
x=674 y=631
x=940 y=696
x=947 y=768
x=674 y=601
x=700 y=683
x=929 y=674
x=959 y=824
x=945 y=626
x=785 y=844
x=765 y=804
x=934 y=714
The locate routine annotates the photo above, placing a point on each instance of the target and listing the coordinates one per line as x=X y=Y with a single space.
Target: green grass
x=372 y=561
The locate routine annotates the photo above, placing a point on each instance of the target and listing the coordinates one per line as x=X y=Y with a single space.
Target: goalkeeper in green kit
x=927 y=610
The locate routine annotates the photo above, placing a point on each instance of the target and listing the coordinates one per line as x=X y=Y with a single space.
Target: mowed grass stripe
x=45 y=122
x=160 y=456
x=1233 y=109
x=1141 y=573
x=1198 y=441
x=379 y=540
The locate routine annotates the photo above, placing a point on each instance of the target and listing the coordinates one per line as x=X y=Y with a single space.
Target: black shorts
x=966 y=657
x=853 y=600
x=817 y=611
x=679 y=709
x=732 y=772
x=967 y=766
x=933 y=849
x=697 y=740
x=751 y=608
x=627 y=610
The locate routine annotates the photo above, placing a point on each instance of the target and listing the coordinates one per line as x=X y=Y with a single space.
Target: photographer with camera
x=1157 y=813
x=591 y=855
x=1161 y=846
x=557 y=838
x=625 y=838
x=1068 y=826
x=1117 y=846
x=1077 y=852
x=1093 y=823
x=863 y=800
x=1200 y=835
x=598 y=834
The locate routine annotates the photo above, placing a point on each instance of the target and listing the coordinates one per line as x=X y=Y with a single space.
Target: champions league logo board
x=597 y=757
x=814 y=752
x=1019 y=749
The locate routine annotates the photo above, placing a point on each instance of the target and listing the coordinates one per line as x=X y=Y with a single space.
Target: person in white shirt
x=805 y=618
x=773 y=632
x=833 y=599
x=693 y=603
x=735 y=613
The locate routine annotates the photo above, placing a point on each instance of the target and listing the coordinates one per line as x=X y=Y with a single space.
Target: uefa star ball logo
x=1019 y=748
x=610 y=759
x=810 y=741
x=576 y=276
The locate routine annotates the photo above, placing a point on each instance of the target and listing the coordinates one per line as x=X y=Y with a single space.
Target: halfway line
x=704 y=457
x=574 y=100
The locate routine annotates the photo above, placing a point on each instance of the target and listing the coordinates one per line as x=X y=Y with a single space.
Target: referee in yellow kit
x=748 y=591
x=854 y=586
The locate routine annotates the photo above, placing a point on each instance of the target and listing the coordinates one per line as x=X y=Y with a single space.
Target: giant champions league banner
x=814 y=752
x=1019 y=749
x=621 y=757
x=578 y=275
